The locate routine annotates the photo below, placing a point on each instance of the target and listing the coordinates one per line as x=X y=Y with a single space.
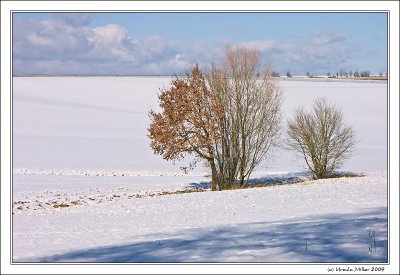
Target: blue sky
x=171 y=43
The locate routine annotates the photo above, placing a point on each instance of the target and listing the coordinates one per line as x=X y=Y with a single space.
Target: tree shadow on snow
x=269 y=180
x=341 y=238
x=280 y=179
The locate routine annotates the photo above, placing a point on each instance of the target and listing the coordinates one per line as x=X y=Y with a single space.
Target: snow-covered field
x=341 y=220
x=100 y=123
x=87 y=187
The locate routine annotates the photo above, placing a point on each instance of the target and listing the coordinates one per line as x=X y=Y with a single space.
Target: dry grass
x=62 y=205
x=266 y=184
x=21 y=202
x=291 y=181
x=345 y=175
x=247 y=186
x=184 y=191
x=363 y=78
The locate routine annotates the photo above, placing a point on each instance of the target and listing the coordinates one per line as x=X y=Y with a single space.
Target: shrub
x=321 y=137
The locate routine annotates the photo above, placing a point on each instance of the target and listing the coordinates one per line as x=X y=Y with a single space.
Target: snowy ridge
x=56 y=189
x=47 y=201
x=101 y=173
x=135 y=173
x=50 y=201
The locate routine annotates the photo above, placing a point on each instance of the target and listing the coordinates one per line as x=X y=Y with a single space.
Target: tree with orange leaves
x=188 y=122
x=231 y=119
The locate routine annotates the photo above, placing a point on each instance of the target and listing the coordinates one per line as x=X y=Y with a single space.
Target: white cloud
x=36 y=39
x=54 y=45
x=317 y=53
x=42 y=40
x=259 y=45
x=327 y=38
x=111 y=34
x=179 y=62
x=108 y=42
x=153 y=47
x=66 y=44
x=74 y=19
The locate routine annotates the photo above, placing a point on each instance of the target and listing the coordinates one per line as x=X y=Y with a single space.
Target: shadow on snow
x=269 y=180
x=340 y=238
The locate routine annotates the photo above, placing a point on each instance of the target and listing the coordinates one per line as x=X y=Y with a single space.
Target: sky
x=172 y=43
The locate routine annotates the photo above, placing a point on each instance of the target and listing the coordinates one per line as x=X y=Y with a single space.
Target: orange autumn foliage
x=188 y=122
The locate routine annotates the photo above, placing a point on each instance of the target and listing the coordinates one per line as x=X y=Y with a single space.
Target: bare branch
x=321 y=137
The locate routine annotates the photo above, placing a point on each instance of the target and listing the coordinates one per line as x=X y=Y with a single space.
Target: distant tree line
x=339 y=73
x=350 y=73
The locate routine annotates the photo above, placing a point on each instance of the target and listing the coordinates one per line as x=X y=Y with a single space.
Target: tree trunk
x=241 y=180
x=213 y=176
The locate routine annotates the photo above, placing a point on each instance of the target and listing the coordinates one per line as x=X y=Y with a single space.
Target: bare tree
x=321 y=137
x=342 y=72
x=187 y=123
x=275 y=74
x=251 y=107
x=365 y=73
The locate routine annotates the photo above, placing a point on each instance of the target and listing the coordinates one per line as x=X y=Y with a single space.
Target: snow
x=100 y=123
x=87 y=187
x=85 y=122
x=268 y=224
